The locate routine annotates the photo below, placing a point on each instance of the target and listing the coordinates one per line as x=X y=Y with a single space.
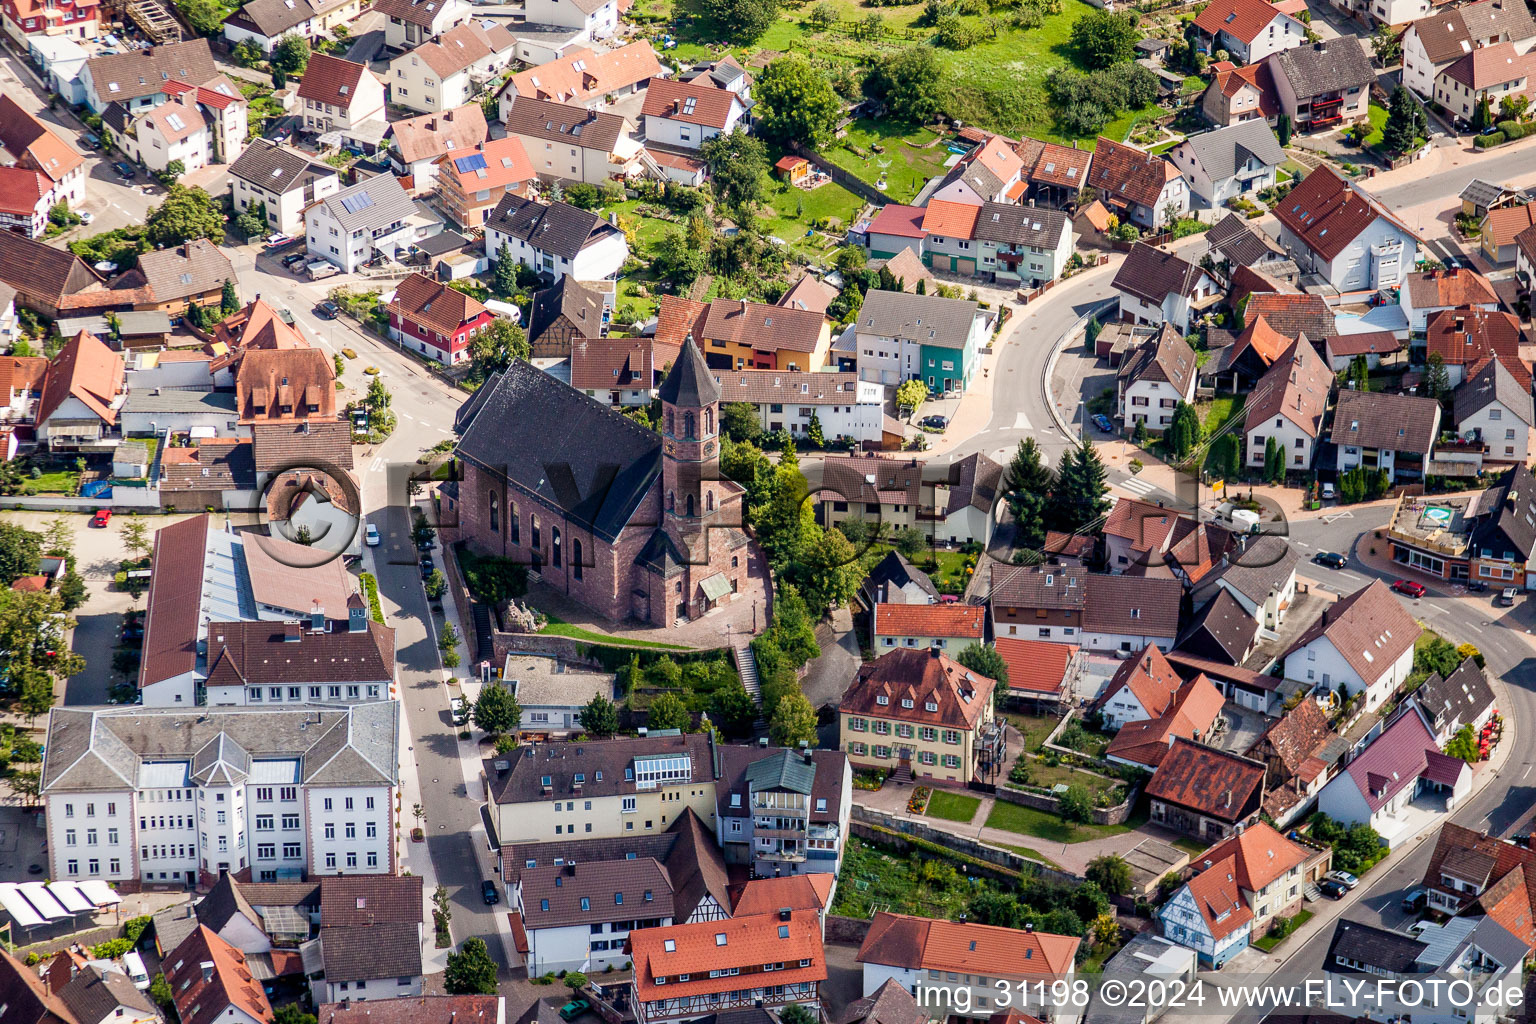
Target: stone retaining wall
x=849 y=930
x=1115 y=815
x=878 y=827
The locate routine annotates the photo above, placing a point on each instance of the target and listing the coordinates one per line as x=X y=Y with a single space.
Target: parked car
x=575 y=1008
x=490 y=895
x=1103 y=422
x=372 y=536
x=327 y=310
x=1328 y=492
x=1476 y=586
x=294 y=257
x=459 y=708
x=1331 y=559
x=1507 y=595
x=1410 y=588
x=133 y=632
x=1333 y=890
x=124 y=168
x=427 y=566
x=278 y=241
x=1416 y=900
x=933 y=422
x=102 y=517
x=91 y=139
x=1344 y=878
x=86 y=216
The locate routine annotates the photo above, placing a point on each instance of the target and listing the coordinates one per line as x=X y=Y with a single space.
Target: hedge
x=1491 y=139
x=1512 y=130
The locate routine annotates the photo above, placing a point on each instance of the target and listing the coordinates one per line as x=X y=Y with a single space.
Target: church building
x=627 y=522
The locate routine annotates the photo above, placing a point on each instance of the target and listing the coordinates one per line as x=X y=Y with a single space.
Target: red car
x=102 y=517
x=1410 y=588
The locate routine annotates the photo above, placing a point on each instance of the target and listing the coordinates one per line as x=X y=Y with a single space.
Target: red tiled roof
x=924 y=678
x=901 y=940
x=433 y=304
x=679 y=319
x=1129 y=174
x=331 y=80
x=1267 y=343
x=1240 y=19
x=906 y=221
x=1378 y=343
x=21 y=189
x=84 y=369
x=1258 y=77
x=1328 y=213
x=700 y=948
x=950 y=220
x=694 y=102
x=30 y=584
x=942 y=620
x=1035 y=666
x=1461 y=337
x=1195 y=707
x=581 y=74
x=770 y=895
x=1212 y=782
x=1146 y=524
x=1260 y=855
x=1149 y=677
x=203 y=1000
x=1216 y=895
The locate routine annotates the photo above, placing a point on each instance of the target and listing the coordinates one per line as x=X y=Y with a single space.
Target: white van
x=133 y=966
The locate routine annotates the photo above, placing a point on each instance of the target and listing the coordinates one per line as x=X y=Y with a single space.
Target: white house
x=685 y=115
x=1460 y=699
x=565 y=906
x=1492 y=406
x=1028 y=244
x=990 y=173
x=1432 y=44
x=565 y=142
x=1495 y=72
x=1207 y=914
x=1154 y=379
x=445 y=73
x=556 y=239
x=417 y=144
x=1249 y=30
x=1363 y=643
x=593 y=19
x=1287 y=407
x=899 y=335
x=265 y=22
x=282 y=178
x=844 y=405
x=1142 y=688
x=1130 y=613
x=948 y=627
x=1324 y=85
x=1401 y=764
x=1260 y=576
x=1334 y=228
x=1158 y=287
x=409 y=23
x=1142 y=188
x=1393 y=432
x=1224 y=163
x=551 y=693
x=173 y=131
x=349 y=227
x=338 y=94
x=137 y=78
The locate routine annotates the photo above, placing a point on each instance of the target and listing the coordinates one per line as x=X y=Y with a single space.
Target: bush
x=1492 y=139
x=1511 y=130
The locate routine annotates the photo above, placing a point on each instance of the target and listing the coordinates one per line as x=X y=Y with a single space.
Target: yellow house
x=923 y=715
x=736 y=334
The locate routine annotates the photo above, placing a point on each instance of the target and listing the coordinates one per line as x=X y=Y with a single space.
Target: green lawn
x=1027 y=821
x=1034 y=728
x=795 y=209
x=909 y=157
x=558 y=627
x=1378 y=115
x=1269 y=942
x=1215 y=412
x=952 y=806
x=57 y=481
x=1045 y=776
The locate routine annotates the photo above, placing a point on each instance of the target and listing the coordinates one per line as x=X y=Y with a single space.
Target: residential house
x=1490 y=73
x=949 y=627
x=191 y=479
x=98 y=992
x=21 y=385
x=1249 y=30
x=756 y=784
x=1041 y=673
x=728 y=966
x=418 y=143
x=583 y=77
x=1463 y=338
x=285 y=386
x=922 y=715
x=471 y=183
x=1288 y=406
x=447 y=72
x=1503 y=543
x=1191 y=715
x=1378 y=431
x=1055 y=173
x=1492 y=408
x=1158 y=287
x=1233 y=161
x=1335 y=229
x=1301 y=755
x=82 y=394
x=1499 y=229
x=751 y=334
x=1235 y=242
x=896 y=228
x=1243 y=94
x=1205 y=792
x=965 y=501
x=48 y=280
x=1425 y=293
x=26 y=20
x=561 y=316
x=688 y=114
x=569 y=143
x=1028 y=244
x=264 y=22
x=1433 y=43
x=193 y=272
x=211 y=752
x=902 y=336
x=1154 y=379
x=1480 y=949
x=1467 y=864
x=949 y=242
x=1260 y=574
x=1378 y=785
x=1322 y=85
x=1243 y=883
x=843 y=405
x=438 y=321
x=1293 y=315
x=1143 y=688
x=990 y=173
x=210 y=980
x=1128 y=613
x=1362 y=643
x=1099 y=611
x=410 y=23
x=1221 y=631
x=283 y=179
x=27 y=142
x=1459 y=700
x=1341 y=350
x=26 y=197
x=370 y=937
x=1525 y=255
x=1038 y=602
x=621 y=371
x=1144 y=189
x=57 y=59
x=593 y=19
x=552 y=693
x=337 y=94
x=555 y=239
x=985 y=959
x=1252 y=352
x=352 y=226
x=248 y=662
x=137 y=78
x=894 y=580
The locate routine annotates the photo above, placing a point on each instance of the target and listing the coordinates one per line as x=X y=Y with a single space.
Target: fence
x=858 y=186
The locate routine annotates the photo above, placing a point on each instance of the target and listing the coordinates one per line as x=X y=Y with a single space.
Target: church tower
x=692 y=490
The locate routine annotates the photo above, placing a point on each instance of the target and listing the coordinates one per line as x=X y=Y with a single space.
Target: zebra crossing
x=1137 y=486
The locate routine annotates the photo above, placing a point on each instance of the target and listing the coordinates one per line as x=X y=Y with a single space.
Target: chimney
x=743 y=306
x=762 y=741
x=292 y=631
x=207 y=966
x=316 y=617
x=810 y=758
x=642 y=731
x=1029 y=926
x=933 y=652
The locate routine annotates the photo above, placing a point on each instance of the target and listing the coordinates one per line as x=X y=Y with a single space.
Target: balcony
x=780 y=856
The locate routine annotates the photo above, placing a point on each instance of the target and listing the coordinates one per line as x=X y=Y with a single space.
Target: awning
x=16 y=905
x=716 y=586
x=70 y=895
x=42 y=900
x=99 y=892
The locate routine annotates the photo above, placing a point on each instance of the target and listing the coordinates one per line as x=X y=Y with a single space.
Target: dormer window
x=930 y=706
x=882 y=701
x=906 y=702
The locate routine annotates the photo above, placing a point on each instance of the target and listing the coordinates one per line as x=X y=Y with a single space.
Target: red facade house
x=71 y=19
x=436 y=320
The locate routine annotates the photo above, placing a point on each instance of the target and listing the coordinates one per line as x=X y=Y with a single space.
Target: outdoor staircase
x=746 y=665
x=901 y=775
x=1312 y=893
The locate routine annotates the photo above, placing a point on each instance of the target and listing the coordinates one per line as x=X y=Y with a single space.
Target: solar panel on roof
x=473 y=162
x=361 y=201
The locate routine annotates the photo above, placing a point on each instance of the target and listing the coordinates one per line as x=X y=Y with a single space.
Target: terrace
x=1433 y=534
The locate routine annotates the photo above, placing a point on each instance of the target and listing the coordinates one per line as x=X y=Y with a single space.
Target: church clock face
x=671 y=447
x=709 y=448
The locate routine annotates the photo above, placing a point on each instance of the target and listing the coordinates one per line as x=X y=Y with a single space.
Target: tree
x=204 y=16
x=1029 y=484
x=1080 y=499
x=292 y=1013
x=470 y=971
x=738 y=167
x=794 y=1013
x=1513 y=108
x=136 y=538
x=669 y=712
x=740 y=21
x=1401 y=132
x=497 y=711
x=33 y=629
x=20 y=549
x=1111 y=873
x=1274 y=461
x=1106 y=930
x=813 y=431
x=912 y=85
x=1139 y=434
x=291 y=54
x=738 y=420
x=1075 y=804
x=985 y=660
x=829 y=571
x=795 y=103
x=1437 y=379
x=495 y=348
x=910 y=394
x=1183 y=431
x=1463 y=744
x=71 y=590
x=600 y=719
x=504 y=277
x=733 y=709
x=575 y=980
x=171 y=173
x=185 y=214
x=229 y=300
x=1482 y=114
x=1102 y=38
x=253 y=222
x=1387 y=46
x=160 y=992
x=1283 y=129
x=1465 y=651
x=793 y=722
x=824 y=15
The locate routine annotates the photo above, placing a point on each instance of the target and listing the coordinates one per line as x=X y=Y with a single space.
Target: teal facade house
x=896 y=228
x=901 y=336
